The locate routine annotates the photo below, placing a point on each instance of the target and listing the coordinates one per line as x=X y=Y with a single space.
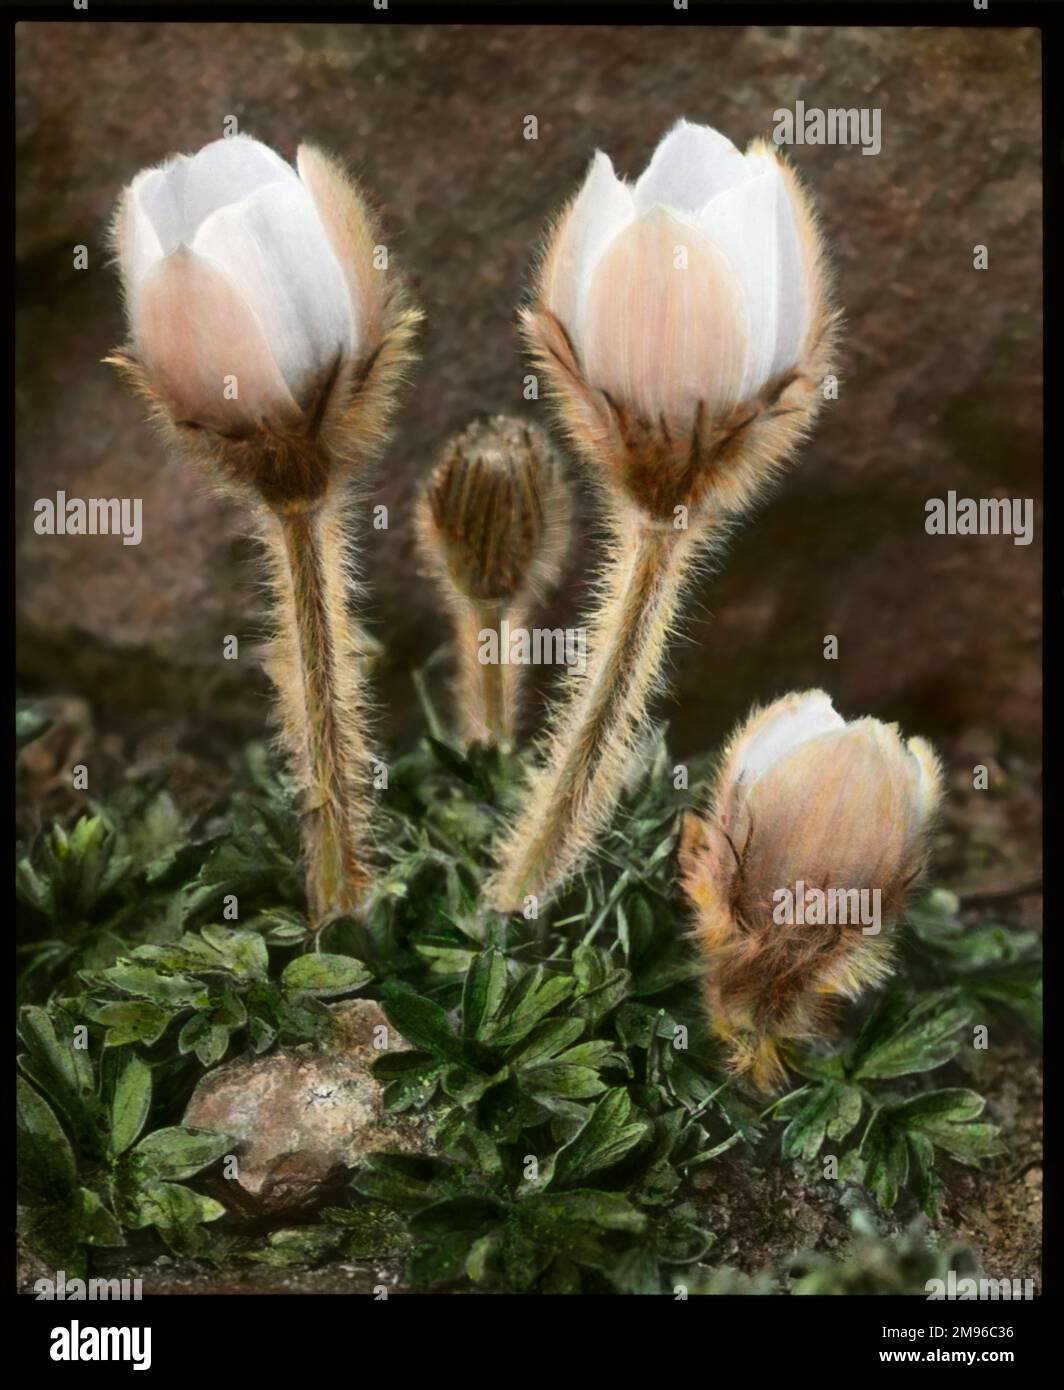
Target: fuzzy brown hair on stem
x=267 y=340
x=684 y=331
x=493 y=528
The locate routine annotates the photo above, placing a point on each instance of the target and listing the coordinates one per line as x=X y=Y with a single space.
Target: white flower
x=697 y=284
x=803 y=801
x=231 y=277
x=823 y=798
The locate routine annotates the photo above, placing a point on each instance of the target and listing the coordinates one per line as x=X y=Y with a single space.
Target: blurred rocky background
x=940 y=369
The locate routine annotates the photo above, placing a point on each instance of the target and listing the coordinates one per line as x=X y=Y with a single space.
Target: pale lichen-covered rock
x=302 y=1116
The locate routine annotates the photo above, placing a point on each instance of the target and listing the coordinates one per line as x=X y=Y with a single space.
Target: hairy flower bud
x=261 y=332
x=493 y=524
x=496 y=509
x=818 y=827
x=683 y=320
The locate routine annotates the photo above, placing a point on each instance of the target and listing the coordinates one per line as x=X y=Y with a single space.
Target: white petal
x=691 y=164
x=350 y=232
x=226 y=171
x=137 y=243
x=795 y=722
x=754 y=226
x=601 y=209
x=795 y=300
x=194 y=330
x=161 y=196
x=659 y=336
x=274 y=249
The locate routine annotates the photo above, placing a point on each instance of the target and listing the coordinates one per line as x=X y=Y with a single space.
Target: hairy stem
x=486 y=690
x=493 y=679
x=315 y=663
x=573 y=795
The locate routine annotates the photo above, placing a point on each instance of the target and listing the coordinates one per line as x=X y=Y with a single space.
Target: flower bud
x=495 y=511
x=818 y=829
x=493 y=524
x=256 y=314
x=683 y=320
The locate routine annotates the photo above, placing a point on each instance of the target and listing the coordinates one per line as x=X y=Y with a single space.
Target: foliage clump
x=570 y=1073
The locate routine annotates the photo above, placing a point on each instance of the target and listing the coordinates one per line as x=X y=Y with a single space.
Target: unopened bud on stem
x=493 y=525
x=268 y=346
x=683 y=328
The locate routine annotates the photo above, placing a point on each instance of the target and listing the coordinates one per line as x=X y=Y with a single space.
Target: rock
x=940 y=367
x=303 y=1116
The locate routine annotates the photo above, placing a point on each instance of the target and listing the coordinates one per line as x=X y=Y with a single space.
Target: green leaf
x=562 y=1079
x=370 y=1230
x=933 y=1109
x=45 y=1159
x=192 y=1033
x=443 y=1261
x=131 y=1023
x=547 y=1040
x=242 y=952
x=636 y=1271
x=901 y=1136
x=422 y=1022
x=945 y=1118
x=168 y=991
x=262 y=1034
x=468 y=1145
x=608 y=1211
x=969 y=1143
x=325 y=975
x=818 y=1066
x=602 y=1140
x=213 y=1045
x=601 y=985
x=445 y=960
x=635 y=927
x=527 y=1001
x=154 y=835
x=885 y=1154
x=282 y=926
x=485 y=985
x=91 y=1220
x=230 y=1011
x=180 y=1152
x=923 y=1178
x=902 y=1038
x=176 y=1212
x=130 y=1103
x=829 y=1110
x=62 y=1070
